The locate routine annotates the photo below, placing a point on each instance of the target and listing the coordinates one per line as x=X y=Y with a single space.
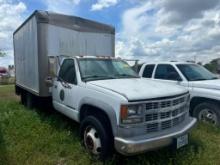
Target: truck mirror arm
x=63 y=82
x=49 y=82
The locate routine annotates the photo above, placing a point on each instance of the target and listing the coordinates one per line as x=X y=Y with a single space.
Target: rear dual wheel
x=27 y=99
x=23 y=98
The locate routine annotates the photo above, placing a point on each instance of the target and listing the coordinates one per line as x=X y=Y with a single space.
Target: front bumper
x=131 y=146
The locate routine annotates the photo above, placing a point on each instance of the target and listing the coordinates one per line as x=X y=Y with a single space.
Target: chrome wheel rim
x=92 y=140
x=208 y=116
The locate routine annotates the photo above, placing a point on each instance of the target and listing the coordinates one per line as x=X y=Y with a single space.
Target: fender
x=205 y=93
x=110 y=112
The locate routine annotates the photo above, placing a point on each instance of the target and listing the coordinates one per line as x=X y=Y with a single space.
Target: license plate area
x=182 y=141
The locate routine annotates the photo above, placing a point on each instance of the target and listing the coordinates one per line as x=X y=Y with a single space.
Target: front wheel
x=95 y=137
x=208 y=112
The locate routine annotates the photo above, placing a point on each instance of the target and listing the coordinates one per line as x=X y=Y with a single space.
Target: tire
x=23 y=98
x=208 y=112
x=96 y=138
x=29 y=100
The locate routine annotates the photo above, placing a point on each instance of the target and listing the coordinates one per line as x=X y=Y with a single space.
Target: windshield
x=194 y=72
x=100 y=69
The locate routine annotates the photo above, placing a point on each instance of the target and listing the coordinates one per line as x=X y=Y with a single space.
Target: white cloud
x=11 y=17
x=101 y=4
x=184 y=35
x=135 y=19
x=151 y=30
x=178 y=12
x=62 y=6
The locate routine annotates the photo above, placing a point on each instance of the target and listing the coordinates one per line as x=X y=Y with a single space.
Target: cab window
x=67 y=71
x=148 y=70
x=167 y=72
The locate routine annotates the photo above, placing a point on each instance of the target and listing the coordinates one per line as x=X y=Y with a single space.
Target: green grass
x=7 y=80
x=47 y=137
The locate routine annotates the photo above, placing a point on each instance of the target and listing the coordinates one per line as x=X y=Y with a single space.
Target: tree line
x=2 y=53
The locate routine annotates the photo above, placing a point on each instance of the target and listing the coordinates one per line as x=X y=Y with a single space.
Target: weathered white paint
x=63 y=41
x=26 y=56
x=139 y=89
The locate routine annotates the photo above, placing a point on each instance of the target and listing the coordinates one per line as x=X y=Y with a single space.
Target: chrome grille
x=165 y=114
x=152 y=106
x=165 y=104
x=150 y=117
x=166 y=124
x=152 y=127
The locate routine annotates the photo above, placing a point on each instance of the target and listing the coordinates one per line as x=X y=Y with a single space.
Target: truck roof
x=94 y=57
x=67 y=21
x=169 y=62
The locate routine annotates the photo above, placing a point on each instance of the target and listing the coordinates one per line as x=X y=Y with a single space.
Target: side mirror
x=52 y=67
x=52 y=71
x=49 y=81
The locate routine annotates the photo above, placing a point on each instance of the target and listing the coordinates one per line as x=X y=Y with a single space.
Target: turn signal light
x=124 y=112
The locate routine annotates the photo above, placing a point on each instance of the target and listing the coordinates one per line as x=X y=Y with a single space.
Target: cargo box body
x=46 y=34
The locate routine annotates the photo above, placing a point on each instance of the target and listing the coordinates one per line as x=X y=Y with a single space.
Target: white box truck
x=71 y=61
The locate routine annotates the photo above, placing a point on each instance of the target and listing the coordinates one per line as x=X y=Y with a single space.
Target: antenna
x=195 y=58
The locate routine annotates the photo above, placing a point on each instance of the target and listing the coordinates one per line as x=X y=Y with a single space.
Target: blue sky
x=109 y=15
x=150 y=30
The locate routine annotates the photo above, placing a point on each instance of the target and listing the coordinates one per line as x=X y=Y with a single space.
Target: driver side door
x=65 y=90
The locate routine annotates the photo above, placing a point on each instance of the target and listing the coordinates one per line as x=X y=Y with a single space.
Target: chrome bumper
x=131 y=146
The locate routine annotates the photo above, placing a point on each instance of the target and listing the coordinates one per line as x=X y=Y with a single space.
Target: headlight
x=131 y=114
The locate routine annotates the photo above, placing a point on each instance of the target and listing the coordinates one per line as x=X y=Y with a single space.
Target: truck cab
x=204 y=86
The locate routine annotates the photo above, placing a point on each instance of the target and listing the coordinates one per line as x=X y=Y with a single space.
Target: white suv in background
x=204 y=86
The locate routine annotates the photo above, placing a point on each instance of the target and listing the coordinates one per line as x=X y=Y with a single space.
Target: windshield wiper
x=126 y=75
x=198 y=79
x=97 y=77
x=214 y=78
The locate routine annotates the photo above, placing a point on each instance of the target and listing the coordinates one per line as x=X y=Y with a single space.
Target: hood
x=139 y=89
x=208 y=84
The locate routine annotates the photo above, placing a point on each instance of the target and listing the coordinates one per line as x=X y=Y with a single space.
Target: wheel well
x=89 y=110
x=18 y=90
x=197 y=100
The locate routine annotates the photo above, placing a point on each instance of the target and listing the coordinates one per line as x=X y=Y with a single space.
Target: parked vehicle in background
x=6 y=76
x=3 y=72
x=11 y=70
x=203 y=85
x=114 y=106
